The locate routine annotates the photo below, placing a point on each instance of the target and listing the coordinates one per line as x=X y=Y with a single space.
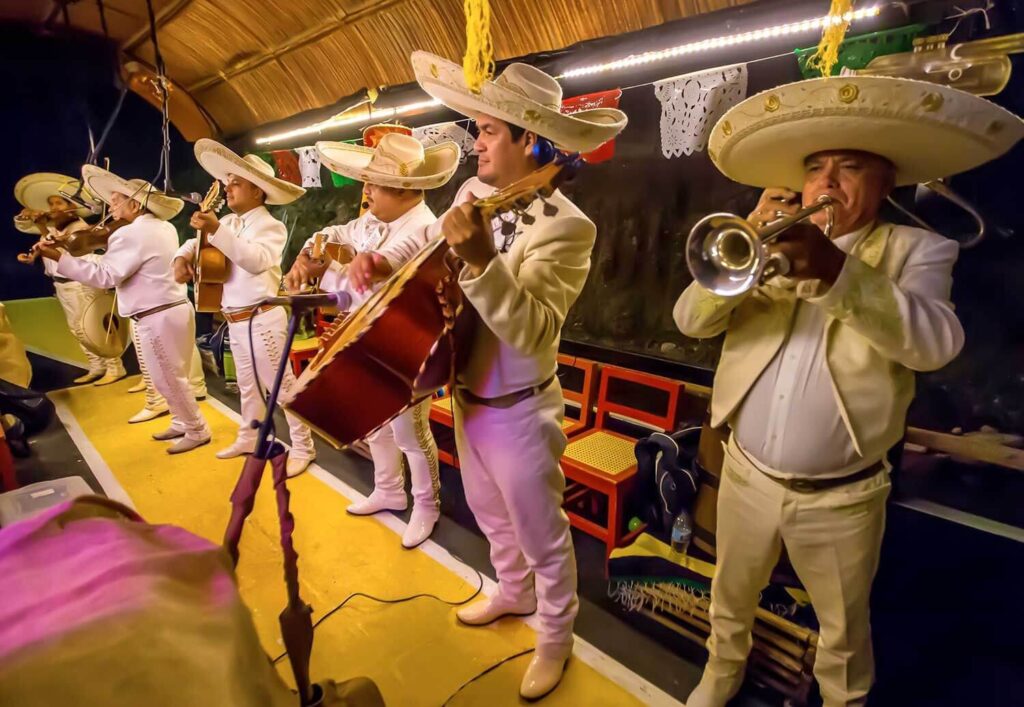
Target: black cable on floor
x=398 y=600
x=479 y=675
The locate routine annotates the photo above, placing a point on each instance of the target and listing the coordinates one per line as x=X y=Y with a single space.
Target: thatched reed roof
x=249 y=62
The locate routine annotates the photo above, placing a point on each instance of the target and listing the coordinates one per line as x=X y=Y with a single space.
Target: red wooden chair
x=583 y=397
x=600 y=462
x=302 y=352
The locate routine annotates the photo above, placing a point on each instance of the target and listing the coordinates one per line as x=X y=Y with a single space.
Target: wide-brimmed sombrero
x=926 y=130
x=33 y=190
x=522 y=95
x=398 y=161
x=219 y=162
x=104 y=184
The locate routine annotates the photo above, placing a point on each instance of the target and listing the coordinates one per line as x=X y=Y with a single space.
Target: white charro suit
x=409 y=433
x=510 y=456
x=887 y=315
x=254 y=243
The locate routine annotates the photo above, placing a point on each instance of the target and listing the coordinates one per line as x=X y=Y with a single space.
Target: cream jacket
x=888 y=315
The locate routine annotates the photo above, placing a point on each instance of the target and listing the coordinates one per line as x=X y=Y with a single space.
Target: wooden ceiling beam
x=163 y=16
x=296 y=42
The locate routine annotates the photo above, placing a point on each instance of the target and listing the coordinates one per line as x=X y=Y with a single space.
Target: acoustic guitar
x=211 y=265
x=403 y=343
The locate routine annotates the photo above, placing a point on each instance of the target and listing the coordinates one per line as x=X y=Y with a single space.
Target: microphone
x=192 y=197
x=341 y=300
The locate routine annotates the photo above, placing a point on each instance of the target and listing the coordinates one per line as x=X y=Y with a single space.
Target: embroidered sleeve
x=909 y=320
x=701 y=314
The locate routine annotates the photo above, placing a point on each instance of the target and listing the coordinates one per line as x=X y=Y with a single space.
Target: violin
x=78 y=243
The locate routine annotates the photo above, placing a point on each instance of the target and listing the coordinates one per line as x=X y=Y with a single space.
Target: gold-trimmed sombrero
x=926 y=130
x=522 y=95
x=104 y=184
x=219 y=162
x=398 y=161
x=33 y=190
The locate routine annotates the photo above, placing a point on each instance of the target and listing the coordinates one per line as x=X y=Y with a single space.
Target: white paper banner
x=691 y=104
x=437 y=133
x=309 y=166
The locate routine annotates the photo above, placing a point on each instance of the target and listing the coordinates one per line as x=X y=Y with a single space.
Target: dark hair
x=516 y=132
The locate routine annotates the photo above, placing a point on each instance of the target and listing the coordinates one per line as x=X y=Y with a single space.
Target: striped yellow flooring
x=416 y=652
x=41 y=326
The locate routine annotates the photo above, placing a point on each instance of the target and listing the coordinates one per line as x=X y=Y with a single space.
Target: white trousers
x=833 y=538
x=409 y=435
x=514 y=486
x=269 y=330
x=73 y=298
x=196 y=377
x=166 y=341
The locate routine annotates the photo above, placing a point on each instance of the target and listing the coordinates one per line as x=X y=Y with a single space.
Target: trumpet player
x=817 y=369
x=50 y=214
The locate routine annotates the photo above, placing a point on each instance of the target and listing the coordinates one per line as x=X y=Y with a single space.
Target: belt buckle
x=802 y=485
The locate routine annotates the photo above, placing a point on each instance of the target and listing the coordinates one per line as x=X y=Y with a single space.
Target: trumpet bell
x=725 y=255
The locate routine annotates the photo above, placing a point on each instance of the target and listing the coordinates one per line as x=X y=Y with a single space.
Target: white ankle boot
x=493 y=608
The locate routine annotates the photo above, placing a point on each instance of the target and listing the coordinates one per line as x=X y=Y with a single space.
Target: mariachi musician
x=396 y=172
x=48 y=213
x=253 y=241
x=817 y=368
x=508 y=401
x=138 y=264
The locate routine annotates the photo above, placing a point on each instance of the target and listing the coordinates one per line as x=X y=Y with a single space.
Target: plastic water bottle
x=682 y=532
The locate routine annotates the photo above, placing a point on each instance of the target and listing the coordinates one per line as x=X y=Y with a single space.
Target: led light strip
x=725 y=41
x=634 y=60
x=373 y=115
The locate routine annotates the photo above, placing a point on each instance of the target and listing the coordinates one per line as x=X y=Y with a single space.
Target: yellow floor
x=416 y=652
x=41 y=326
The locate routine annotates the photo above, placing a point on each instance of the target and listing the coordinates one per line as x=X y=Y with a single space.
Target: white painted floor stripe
x=111 y=486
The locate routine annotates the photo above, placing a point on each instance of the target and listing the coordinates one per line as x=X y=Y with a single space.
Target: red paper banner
x=589 y=101
x=286 y=165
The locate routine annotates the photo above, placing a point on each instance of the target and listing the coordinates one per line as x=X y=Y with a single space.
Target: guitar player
x=253 y=241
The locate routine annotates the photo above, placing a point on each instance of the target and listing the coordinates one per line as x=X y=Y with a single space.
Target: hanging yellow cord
x=827 y=55
x=478 y=64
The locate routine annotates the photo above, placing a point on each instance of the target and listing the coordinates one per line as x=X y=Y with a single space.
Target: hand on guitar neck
x=311 y=264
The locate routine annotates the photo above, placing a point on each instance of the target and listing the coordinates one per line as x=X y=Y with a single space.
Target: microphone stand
x=296 y=618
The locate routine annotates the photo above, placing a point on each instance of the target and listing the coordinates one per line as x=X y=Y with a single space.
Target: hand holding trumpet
x=811 y=254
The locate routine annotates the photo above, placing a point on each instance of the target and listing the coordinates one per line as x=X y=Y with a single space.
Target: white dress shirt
x=137 y=262
x=790 y=424
x=367 y=234
x=254 y=243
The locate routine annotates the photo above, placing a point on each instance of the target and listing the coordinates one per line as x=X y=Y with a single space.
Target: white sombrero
x=33 y=190
x=219 y=161
x=104 y=184
x=398 y=161
x=926 y=130
x=522 y=95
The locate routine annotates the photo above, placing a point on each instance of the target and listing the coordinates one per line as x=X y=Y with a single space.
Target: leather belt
x=62 y=280
x=504 y=401
x=812 y=485
x=146 y=312
x=245 y=315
